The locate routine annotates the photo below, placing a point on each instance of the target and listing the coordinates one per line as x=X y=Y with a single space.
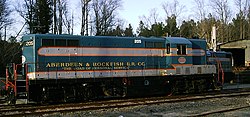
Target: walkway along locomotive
x=75 y=68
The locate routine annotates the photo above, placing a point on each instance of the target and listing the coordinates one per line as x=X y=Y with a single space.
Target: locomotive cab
x=16 y=75
x=187 y=61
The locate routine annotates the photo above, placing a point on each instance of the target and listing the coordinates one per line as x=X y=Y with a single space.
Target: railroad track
x=64 y=108
x=219 y=111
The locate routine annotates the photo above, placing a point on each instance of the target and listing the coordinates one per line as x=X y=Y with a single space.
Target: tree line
x=100 y=17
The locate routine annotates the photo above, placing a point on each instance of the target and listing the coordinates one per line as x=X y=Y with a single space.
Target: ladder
x=16 y=84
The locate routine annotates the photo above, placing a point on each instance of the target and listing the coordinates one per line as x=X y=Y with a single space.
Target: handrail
x=13 y=81
x=8 y=83
x=26 y=77
x=220 y=70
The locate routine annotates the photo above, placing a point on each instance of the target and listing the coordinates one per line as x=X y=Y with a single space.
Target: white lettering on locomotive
x=137 y=41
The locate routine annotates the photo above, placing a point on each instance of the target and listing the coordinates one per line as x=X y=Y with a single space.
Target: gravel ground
x=171 y=109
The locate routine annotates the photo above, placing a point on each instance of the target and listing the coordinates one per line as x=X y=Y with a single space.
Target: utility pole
x=213 y=39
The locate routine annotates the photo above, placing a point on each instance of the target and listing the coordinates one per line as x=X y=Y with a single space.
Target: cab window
x=181 y=49
x=60 y=42
x=48 y=42
x=168 y=48
x=73 y=43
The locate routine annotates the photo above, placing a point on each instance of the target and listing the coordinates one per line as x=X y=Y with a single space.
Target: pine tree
x=143 y=30
x=171 y=27
x=42 y=16
x=157 y=29
x=188 y=29
x=129 y=31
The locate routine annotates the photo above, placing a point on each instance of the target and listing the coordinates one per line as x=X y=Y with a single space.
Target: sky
x=132 y=10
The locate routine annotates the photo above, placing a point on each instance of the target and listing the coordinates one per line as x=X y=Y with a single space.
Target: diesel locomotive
x=223 y=62
x=75 y=68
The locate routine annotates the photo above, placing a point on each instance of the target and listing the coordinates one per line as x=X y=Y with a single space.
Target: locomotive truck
x=69 y=68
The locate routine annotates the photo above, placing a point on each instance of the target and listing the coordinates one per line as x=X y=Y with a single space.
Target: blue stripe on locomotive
x=199 y=44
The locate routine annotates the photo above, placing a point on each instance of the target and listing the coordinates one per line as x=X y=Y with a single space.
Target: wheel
x=89 y=93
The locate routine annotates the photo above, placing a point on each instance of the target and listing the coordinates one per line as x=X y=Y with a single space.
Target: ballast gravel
x=189 y=108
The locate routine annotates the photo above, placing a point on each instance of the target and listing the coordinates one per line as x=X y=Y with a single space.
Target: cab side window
x=48 y=42
x=60 y=42
x=181 y=49
x=168 y=48
x=73 y=43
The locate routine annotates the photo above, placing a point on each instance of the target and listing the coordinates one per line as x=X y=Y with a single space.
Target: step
x=20 y=86
x=21 y=82
x=20 y=78
x=21 y=89
x=22 y=95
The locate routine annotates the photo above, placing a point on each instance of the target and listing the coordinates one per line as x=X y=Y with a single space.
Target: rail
x=64 y=108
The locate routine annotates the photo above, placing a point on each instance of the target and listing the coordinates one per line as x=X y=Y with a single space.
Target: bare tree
x=67 y=18
x=151 y=19
x=5 y=12
x=105 y=14
x=62 y=17
x=85 y=15
x=200 y=14
x=200 y=9
x=83 y=2
x=173 y=8
x=37 y=14
x=223 y=12
x=55 y=17
x=26 y=11
x=242 y=6
x=72 y=24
